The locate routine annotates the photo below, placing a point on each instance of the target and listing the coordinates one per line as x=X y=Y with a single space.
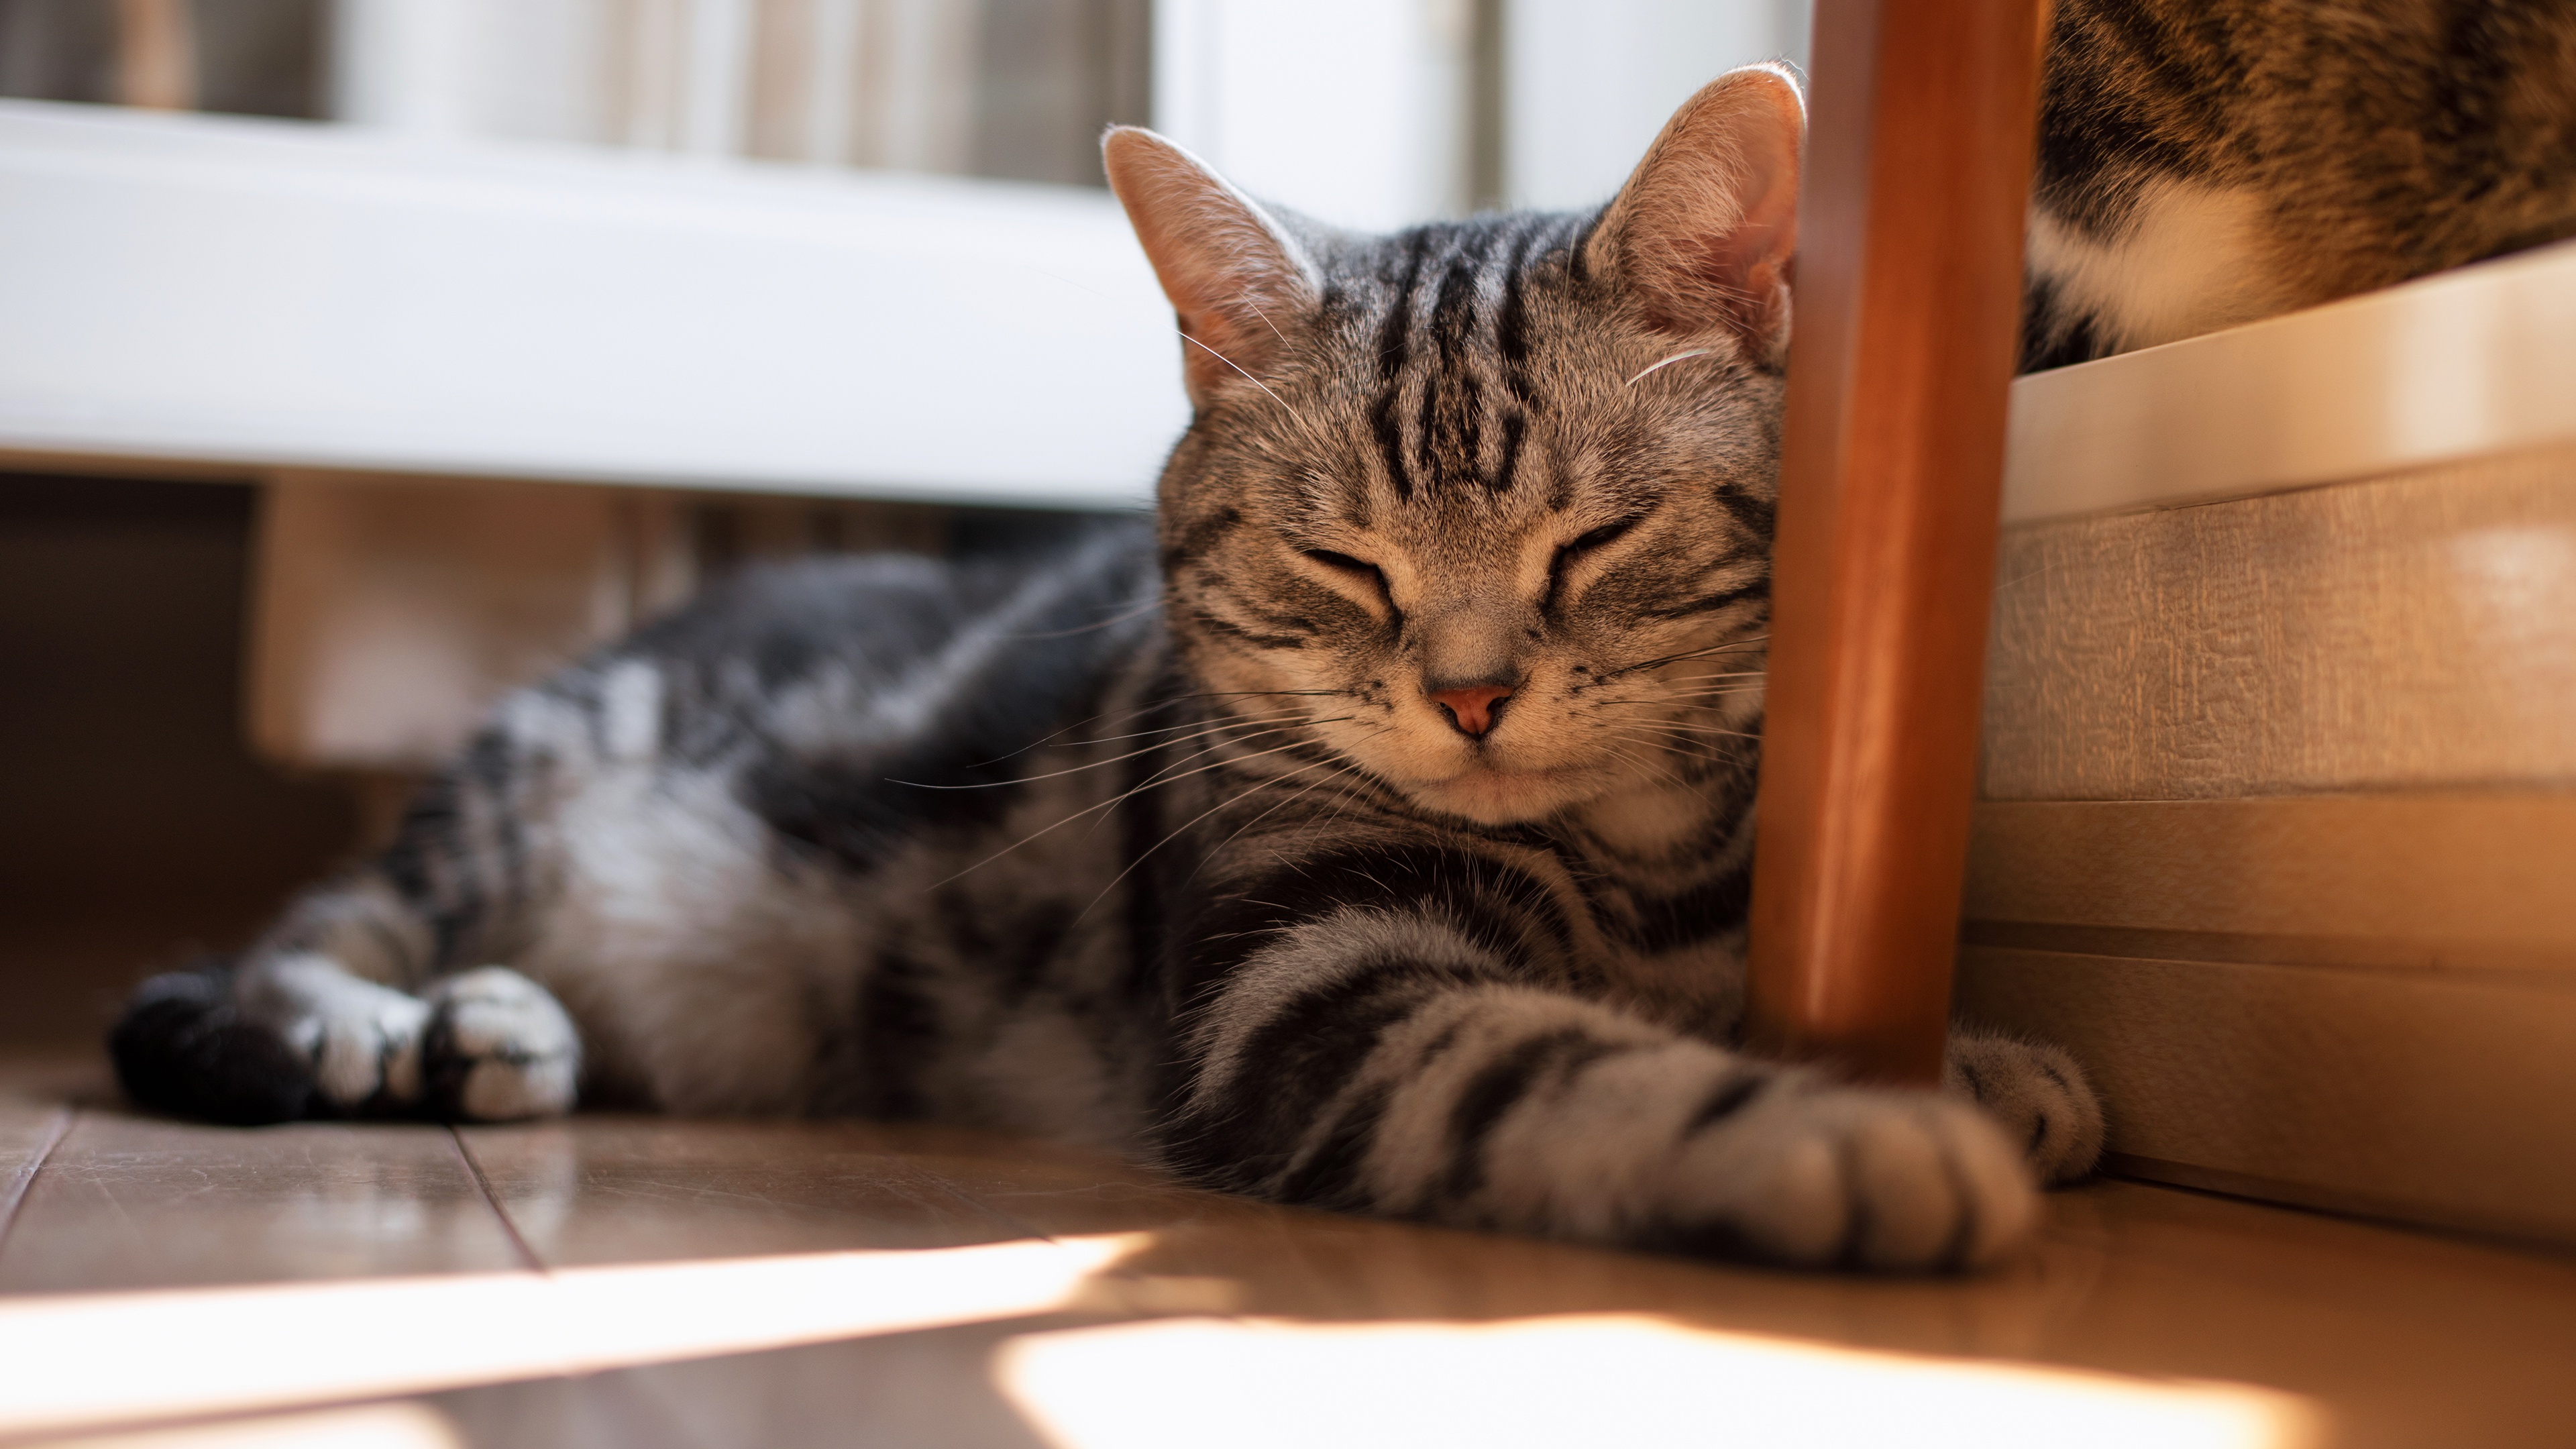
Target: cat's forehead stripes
x=1453 y=341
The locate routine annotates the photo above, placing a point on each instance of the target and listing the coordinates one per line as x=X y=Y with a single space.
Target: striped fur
x=1164 y=843
x=2208 y=162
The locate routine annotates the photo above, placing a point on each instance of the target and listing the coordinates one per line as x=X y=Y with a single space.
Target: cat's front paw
x=498 y=1048
x=2037 y=1093
x=362 y=1039
x=1822 y=1176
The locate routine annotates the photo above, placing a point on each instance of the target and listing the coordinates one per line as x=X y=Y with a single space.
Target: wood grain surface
x=633 y=1189
x=133 y=1202
x=1909 y=287
x=2428 y=1097
x=2431 y=881
x=2410 y=632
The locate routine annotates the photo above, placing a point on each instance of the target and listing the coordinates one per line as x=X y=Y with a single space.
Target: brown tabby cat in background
x=2208 y=162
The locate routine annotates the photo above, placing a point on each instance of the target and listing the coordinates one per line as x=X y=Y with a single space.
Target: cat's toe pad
x=499 y=1048
x=1828 y=1176
x=2039 y=1096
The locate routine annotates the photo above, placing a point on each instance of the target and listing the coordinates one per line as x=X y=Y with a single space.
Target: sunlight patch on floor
x=372 y=1426
x=72 y=1357
x=1637 y=1382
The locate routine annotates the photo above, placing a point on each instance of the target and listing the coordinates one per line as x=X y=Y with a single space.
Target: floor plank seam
x=24 y=1181
x=509 y=1227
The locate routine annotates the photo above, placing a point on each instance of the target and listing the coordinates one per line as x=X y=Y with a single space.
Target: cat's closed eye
x=1588 y=542
x=1358 y=570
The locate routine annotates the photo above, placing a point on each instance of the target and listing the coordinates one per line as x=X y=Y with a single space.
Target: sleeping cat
x=2208 y=162
x=1373 y=831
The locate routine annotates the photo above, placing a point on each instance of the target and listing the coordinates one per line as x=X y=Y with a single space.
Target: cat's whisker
x=1290 y=716
x=1667 y=362
x=1248 y=377
x=1721 y=674
x=1140 y=611
x=1165 y=775
x=1184 y=827
x=1120 y=798
x=1204 y=733
x=1057 y=736
x=1730 y=647
x=1662 y=702
x=1684 y=734
x=1348 y=767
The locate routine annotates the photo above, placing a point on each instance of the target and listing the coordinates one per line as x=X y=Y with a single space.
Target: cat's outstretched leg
x=1394 y=1063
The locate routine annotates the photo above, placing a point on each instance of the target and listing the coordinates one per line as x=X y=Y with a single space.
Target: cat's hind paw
x=498 y=1048
x=1821 y=1176
x=2039 y=1096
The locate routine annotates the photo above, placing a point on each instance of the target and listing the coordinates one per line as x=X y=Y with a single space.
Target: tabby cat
x=2209 y=162
x=1372 y=832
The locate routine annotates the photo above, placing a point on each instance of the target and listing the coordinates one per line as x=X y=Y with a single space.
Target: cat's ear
x=1237 y=278
x=1706 y=230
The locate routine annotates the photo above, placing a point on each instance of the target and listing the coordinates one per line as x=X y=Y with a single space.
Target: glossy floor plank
x=2384 y=1337
x=632 y=1189
x=2406 y=1338
x=28 y=1132
x=133 y=1202
x=2401 y=1338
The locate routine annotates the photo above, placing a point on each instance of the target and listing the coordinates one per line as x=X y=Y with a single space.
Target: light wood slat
x=2476 y=361
x=2445 y=1099
x=2414 y=632
x=622 y=1189
x=127 y=1202
x=2432 y=881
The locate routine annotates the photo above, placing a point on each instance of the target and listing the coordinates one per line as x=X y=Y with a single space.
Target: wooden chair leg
x=1908 y=295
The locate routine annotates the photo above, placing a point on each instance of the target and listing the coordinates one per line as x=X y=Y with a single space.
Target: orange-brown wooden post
x=1922 y=115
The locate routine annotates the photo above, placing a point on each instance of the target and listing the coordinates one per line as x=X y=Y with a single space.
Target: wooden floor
x=2143 y=1314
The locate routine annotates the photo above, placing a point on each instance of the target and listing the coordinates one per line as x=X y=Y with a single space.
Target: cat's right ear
x=1236 y=278
x=1706 y=230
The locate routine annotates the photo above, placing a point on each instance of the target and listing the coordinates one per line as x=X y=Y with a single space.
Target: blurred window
x=1016 y=89
x=250 y=57
x=1365 y=112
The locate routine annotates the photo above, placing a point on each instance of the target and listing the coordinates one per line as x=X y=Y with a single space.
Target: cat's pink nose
x=1473 y=709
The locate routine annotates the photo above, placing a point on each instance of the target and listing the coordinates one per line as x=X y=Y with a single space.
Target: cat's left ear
x=1706 y=230
x=1239 y=282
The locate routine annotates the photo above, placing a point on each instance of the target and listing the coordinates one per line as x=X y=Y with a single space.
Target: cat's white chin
x=1491 y=796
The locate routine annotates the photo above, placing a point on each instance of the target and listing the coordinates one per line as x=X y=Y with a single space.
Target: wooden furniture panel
x=2281 y=808
x=2415 y=631
x=387 y=614
x=2442 y=1097
x=2434 y=882
x=2461 y=364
